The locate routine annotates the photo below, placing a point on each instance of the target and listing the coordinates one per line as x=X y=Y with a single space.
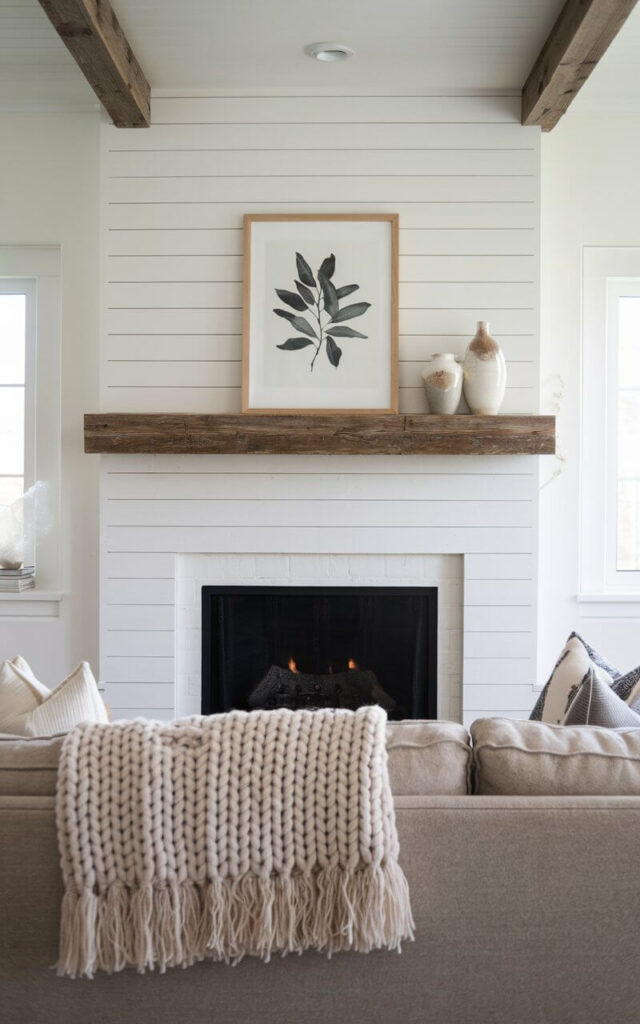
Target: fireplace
x=320 y=646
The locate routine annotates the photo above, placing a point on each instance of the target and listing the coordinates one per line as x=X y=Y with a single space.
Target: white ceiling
x=440 y=45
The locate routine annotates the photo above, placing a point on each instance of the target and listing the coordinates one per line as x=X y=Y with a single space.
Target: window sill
x=31 y=604
x=609 y=605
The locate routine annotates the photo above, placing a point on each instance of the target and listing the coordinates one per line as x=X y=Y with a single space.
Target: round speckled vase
x=484 y=372
x=442 y=381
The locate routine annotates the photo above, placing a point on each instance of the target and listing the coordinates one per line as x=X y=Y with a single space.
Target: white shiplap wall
x=464 y=177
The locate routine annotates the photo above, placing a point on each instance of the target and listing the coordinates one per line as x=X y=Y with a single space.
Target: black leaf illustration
x=345 y=332
x=292 y=300
x=327 y=267
x=298 y=322
x=320 y=300
x=304 y=271
x=331 y=303
x=333 y=351
x=305 y=293
x=348 y=312
x=346 y=289
x=293 y=344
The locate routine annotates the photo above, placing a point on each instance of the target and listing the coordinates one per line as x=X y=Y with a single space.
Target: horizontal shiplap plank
x=498 y=643
x=225 y=399
x=500 y=670
x=498 y=566
x=139 y=695
x=507 y=136
x=504 y=617
x=331 y=110
x=216 y=373
x=367 y=465
x=437 y=321
x=151 y=592
x=499 y=591
x=325 y=539
x=493 y=698
x=207 y=347
x=415 y=294
x=137 y=669
x=412 y=268
x=138 y=616
x=135 y=565
x=322 y=188
x=182 y=230
x=434 y=487
x=303 y=512
x=313 y=162
x=139 y=642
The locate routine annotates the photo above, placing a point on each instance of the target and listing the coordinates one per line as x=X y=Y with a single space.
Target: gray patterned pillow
x=628 y=688
x=595 y=703
x=569 y=673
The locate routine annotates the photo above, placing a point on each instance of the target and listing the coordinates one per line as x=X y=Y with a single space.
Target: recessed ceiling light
x=328 y=52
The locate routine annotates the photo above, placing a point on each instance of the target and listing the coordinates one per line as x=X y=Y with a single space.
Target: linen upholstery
x=426 y=757
x=509 y=929
x=536 y=759
x=29 y=765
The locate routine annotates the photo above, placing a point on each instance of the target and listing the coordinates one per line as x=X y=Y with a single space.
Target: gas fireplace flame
x=352 y=664
x=292 y=666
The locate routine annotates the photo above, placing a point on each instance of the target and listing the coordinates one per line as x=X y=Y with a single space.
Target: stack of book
x=14 y=581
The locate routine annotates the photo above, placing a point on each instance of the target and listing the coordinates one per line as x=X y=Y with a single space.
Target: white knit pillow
x=20 y=694
x=75 y=700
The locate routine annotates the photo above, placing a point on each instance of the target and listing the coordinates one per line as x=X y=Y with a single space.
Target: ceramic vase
x=442 y=381
x=484 y=372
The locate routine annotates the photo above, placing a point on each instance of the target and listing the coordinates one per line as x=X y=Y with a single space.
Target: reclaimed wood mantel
x=348 y=434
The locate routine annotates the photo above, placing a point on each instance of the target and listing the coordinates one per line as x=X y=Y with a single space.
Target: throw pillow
x=20 y=693
x=75 y=700
x=628 y=687
x=595 y=703
x=569 y=672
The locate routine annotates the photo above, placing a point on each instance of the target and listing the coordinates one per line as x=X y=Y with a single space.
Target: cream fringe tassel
x=176 y=925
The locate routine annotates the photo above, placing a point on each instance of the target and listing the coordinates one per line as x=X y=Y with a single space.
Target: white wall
x=49 y=185
x=590 y=196
x=464 y=177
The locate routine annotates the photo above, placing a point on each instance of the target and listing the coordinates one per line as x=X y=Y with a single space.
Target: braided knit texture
x=221 y=836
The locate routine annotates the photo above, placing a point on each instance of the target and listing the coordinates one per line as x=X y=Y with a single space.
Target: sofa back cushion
x=428 y=758
x=513 y=758
x=29 y=767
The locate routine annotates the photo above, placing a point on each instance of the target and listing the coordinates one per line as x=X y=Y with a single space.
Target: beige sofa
x=526 y=906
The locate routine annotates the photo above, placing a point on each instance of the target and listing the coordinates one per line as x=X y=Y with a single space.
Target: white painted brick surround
x=464 y=177
x=441 y=571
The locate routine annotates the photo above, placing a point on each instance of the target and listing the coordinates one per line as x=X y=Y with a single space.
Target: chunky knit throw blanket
x=216 y=837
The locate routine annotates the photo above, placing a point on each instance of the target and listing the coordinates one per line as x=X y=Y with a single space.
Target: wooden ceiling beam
x=581 y=35
x=92 y=33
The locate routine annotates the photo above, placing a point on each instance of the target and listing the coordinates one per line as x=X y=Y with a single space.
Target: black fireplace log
x=282 y=688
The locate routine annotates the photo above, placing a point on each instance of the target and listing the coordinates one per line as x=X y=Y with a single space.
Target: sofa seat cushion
x=29 y=767
x=428 y=757
x=514 y=758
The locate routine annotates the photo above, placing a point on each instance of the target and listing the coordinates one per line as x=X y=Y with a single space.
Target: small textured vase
x=443 y=383
x=485 y=373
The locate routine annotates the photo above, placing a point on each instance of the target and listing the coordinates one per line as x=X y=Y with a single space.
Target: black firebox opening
x=388 y=631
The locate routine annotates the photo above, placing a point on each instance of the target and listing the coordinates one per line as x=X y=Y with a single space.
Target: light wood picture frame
x=320 y=313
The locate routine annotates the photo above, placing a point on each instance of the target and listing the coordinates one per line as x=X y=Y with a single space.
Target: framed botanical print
x=320 y=313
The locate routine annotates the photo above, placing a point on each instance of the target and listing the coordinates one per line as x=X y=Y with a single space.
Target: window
x=17 y=384
x=610 y=530
x=30 y=395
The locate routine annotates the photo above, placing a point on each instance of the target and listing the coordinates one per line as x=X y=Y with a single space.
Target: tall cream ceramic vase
x=484 y=373
x=442 y=381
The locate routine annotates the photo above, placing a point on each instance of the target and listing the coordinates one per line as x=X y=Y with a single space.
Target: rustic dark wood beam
x=288 y=434
x=579 y=38
x=91 y=32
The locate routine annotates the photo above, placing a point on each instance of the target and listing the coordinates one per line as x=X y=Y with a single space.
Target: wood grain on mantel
x=351 y=434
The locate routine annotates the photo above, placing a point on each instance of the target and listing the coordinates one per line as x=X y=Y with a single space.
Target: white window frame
x=35 y=270
x=608 y=272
